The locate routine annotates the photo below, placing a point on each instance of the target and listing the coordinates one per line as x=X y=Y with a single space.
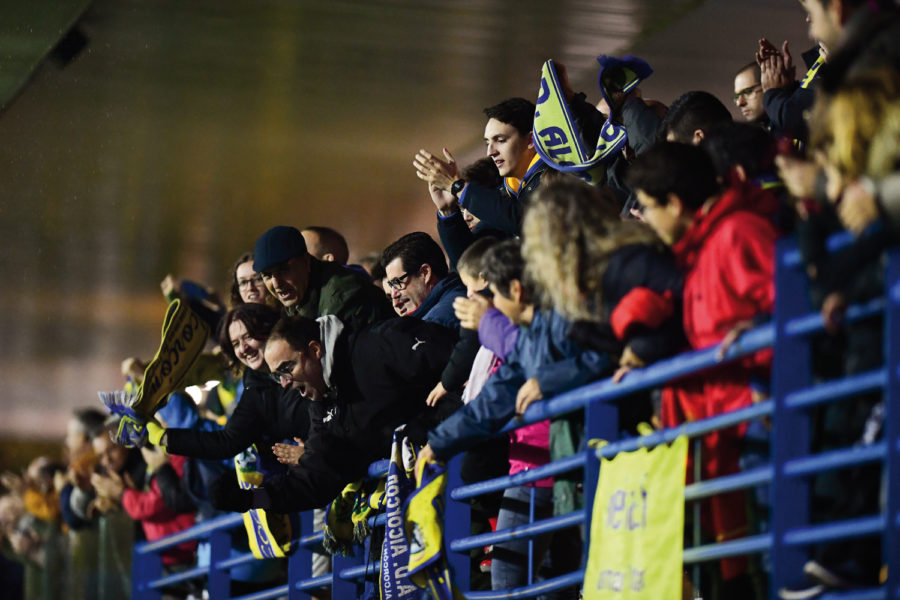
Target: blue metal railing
x=787 y=475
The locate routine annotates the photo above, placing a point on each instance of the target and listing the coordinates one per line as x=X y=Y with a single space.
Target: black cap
x=277 y=245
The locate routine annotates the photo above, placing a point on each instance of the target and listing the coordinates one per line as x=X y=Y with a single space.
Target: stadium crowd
x=540 y=284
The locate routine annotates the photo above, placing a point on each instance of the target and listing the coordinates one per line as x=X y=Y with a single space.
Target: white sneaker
x=802 y=594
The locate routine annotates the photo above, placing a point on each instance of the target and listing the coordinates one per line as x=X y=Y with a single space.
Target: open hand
x=437 y=172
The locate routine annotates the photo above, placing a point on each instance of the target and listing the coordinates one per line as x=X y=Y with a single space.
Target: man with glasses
x=748 y=94
x=419 y=281
x=361 y=384
x=312 y=288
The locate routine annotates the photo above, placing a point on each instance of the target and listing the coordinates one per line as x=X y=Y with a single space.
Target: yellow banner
x=637 y=526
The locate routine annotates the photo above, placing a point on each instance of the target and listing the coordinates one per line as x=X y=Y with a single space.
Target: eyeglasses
x=283 y=373
x=256 y=280
x=399 y=283
x=747 y=92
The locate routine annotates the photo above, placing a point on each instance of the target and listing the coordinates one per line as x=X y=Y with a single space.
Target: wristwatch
x=457 y=187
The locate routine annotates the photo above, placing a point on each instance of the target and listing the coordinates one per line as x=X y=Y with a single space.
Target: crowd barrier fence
x=787 y=475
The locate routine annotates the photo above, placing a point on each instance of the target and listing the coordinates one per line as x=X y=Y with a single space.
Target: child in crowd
x=725 y=244
x=542 y=361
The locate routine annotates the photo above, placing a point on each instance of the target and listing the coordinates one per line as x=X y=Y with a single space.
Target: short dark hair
x=502 y=263
x=297 y=331
x=517 y=112
x=744 y=144
x=470 y=260
x=91 y=421
x=690 y=112
x=417 y=249
x=750 y=65
x=333 y=242
x=483 y=172
x=680 y=169
x=259 y=319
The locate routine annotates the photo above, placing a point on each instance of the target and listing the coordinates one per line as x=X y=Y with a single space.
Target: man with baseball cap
x=312 y=288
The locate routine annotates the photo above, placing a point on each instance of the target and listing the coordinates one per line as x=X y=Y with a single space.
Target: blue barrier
x=787 y=475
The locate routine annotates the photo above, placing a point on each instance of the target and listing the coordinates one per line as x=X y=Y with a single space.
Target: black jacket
x=381 y=376
x=265 y=414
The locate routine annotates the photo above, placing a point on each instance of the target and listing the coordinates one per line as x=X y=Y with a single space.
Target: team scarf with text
x=393 y=581
x=557 y=138
x=424 y=518
x=271 y=535
x=184 y=335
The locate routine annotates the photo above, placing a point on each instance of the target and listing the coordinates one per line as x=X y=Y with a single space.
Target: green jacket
x=344 y=293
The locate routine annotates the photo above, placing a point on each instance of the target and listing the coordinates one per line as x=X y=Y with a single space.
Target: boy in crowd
x=725 y=244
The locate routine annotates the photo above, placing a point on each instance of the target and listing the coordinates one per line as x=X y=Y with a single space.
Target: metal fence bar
x=520 y=532
x=498 y=484
x=835 y=390
x=834 y=459
x=747 y=545
x=837 y=530
x=791 y=372
x=530 y=591
x=891 y=546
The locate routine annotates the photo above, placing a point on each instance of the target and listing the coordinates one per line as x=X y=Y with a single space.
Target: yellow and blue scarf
x=557 y=138
x=425 y=532
x=184 y=335
x=271 y=535
x=393 y=581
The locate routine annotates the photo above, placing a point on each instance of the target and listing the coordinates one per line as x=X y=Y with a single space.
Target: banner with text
x=637 y=526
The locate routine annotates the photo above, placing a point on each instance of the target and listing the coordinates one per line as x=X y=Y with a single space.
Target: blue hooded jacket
x=543 y=351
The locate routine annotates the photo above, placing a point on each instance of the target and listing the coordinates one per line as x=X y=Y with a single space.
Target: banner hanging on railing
x=637 y=526
x=394 y=583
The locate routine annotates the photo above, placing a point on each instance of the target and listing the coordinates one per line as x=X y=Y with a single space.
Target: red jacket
x=157 y=519
x=728 y=255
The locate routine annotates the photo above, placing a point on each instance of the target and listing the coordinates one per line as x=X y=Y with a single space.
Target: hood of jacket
x=745 y=197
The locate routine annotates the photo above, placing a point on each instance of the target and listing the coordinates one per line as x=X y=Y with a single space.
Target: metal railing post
x=457 y=524
x=300 y=562
x=891 y=544
x=791 y=370
x=219 y=582
x=601 y=421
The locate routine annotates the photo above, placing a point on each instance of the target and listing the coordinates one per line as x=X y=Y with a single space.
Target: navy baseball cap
x=277 y=245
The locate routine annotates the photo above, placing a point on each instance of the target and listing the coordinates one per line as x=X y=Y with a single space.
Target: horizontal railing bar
x=355 y=573
x=196 y=532
x=834 y=459
x=322 y=581
x=838 y=530
x=749 y=545
x=311 y=540
x=791 y=258
x=522 y=532
x=275 y=592
x=195 y=573
x=556 y=467
x=657 y=374
x=729 y=483
x=377 y=520
x=841 y=388
x=692 y=429
x=379 y=468
x=235 y=562
x=530 y=591
x=812 y=323
x=864 y=594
